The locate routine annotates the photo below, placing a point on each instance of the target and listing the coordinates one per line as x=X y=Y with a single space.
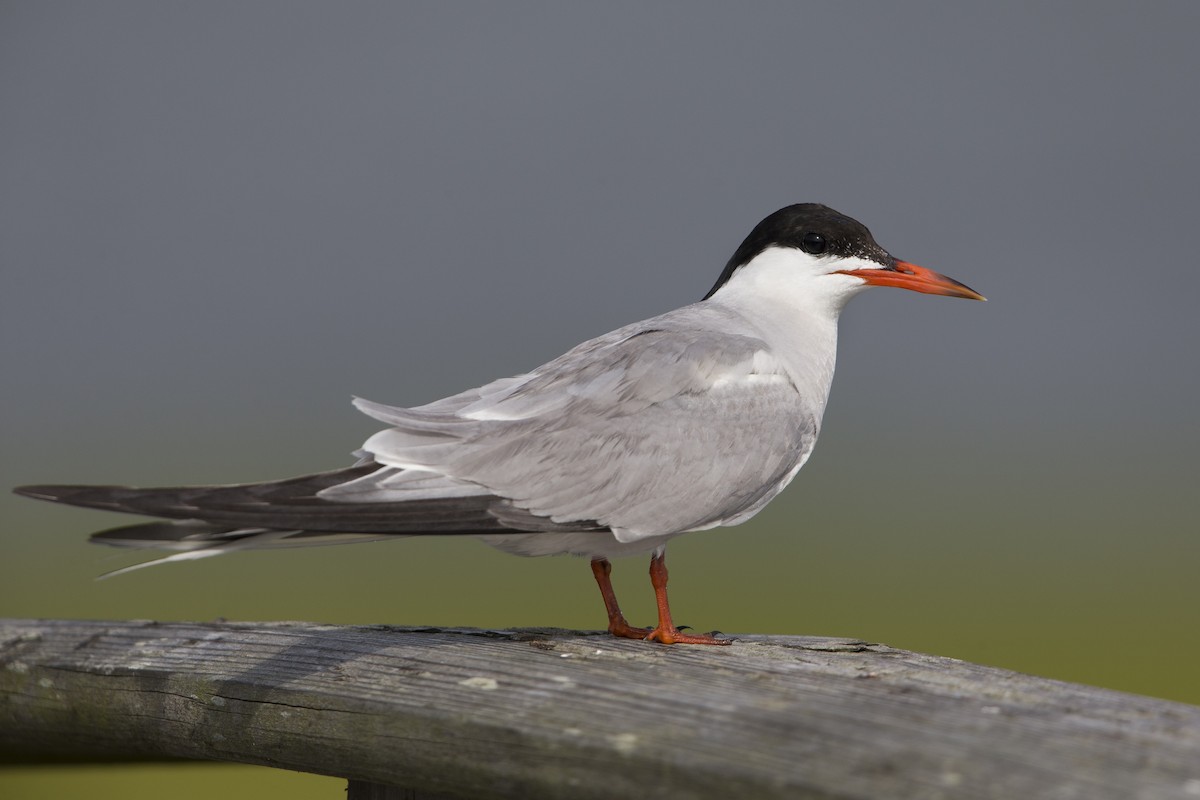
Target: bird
x=687 y=421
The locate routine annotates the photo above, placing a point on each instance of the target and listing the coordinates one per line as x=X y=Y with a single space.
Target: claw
x=673 y=636
x=665 y=632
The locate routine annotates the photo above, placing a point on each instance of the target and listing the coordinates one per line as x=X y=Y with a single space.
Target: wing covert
x=647 y=431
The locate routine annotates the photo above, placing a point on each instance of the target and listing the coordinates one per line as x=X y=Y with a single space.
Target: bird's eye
x=813 y=244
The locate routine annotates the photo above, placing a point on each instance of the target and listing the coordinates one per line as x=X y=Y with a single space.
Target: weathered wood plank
x=558 y=714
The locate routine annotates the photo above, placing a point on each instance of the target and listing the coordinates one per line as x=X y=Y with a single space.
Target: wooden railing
x=465 y=713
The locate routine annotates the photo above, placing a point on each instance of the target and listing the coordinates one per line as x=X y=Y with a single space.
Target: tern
x=687 y=421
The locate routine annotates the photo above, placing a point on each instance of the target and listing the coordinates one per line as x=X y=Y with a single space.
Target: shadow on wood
x=464 y=713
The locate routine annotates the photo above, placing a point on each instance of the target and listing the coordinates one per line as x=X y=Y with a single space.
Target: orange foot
x=665 y=632
x=624 y=630
x=672 y=635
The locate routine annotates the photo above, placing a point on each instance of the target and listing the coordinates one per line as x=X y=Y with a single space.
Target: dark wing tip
x=102 y=497
x=46 y=492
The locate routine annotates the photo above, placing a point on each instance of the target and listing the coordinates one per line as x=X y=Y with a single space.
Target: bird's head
x=812 y=249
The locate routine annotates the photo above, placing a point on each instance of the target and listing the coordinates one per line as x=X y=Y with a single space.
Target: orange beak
x=918 y=279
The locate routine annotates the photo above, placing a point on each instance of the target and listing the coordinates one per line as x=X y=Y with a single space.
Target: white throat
x=793 y=300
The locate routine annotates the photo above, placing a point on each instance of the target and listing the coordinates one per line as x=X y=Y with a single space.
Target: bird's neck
x=804 y=343
x=795 y=313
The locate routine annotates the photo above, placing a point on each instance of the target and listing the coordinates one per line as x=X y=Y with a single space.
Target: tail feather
x=185 y=536
x=194 y=540
x=295 y=506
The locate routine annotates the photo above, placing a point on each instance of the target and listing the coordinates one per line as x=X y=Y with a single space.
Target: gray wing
x=649 y=430
x=658 y=428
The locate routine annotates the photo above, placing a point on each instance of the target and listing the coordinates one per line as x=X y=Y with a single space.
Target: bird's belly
x=592 y=544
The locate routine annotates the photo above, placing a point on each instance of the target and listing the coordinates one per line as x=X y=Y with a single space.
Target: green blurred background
x=219 y=221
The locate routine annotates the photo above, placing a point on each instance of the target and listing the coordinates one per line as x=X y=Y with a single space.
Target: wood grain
x=465 y=713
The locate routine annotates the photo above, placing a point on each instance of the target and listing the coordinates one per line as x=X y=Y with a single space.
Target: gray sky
x=247 y=212
x=220 y=220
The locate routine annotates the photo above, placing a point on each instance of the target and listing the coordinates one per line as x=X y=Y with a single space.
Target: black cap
x=810 y=227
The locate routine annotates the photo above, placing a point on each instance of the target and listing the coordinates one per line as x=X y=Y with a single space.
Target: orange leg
x=666 y=632
x=617 y=625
